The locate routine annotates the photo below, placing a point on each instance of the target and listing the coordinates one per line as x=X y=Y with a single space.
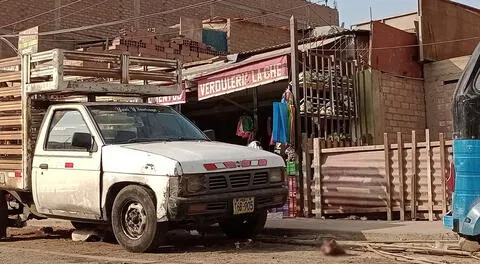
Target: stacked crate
x=292 y=196
x=146 y=43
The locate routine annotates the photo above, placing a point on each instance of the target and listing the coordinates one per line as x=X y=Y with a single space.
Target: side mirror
x=210 y=134
x=82 y=140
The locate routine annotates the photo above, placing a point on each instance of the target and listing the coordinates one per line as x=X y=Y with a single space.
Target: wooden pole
x=296 y=94
x=255 y=109
x=442 y=173
x=429 y=175
x=317 y=164
x=388 y=184
x=414 y=176
x=401 y=176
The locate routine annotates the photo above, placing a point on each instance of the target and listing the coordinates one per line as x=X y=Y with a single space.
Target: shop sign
x=244 y=77
x=169 y=100
x=28 y=41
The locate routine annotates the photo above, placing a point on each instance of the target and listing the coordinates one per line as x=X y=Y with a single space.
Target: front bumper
x=221 y=205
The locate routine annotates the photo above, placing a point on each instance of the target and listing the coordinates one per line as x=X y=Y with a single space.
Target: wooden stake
x=414 y=176
x=387 y=176
x=296 y=95
x=442 y=173
x=429 y=175
x=317 y=164
x=401 y=176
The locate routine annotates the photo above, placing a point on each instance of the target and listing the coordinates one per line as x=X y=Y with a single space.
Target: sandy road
x=29 y=245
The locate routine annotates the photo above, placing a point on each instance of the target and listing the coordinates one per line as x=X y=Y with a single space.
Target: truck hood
x=192 y=155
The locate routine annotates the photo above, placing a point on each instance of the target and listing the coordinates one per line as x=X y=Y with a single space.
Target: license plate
x=243 y=205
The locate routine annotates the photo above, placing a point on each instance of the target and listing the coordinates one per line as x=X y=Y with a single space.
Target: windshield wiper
x=142 y=140
x=189 y=139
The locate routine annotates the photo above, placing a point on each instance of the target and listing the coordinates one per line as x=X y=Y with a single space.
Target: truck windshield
x=122 y=124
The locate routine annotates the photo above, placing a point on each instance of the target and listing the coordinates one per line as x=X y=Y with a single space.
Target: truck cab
x=141 y=168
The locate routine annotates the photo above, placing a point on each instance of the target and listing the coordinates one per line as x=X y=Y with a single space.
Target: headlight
x=195 y=183
x=276 y=175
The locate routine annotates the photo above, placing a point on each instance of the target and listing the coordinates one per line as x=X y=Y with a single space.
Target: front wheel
x=244 y=226
x=134 y=220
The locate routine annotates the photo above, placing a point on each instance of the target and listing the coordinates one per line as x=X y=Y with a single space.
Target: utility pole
x=296 y=95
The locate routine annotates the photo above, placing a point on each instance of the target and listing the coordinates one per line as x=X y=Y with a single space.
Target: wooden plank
x=11 y=135
x=360 y=210
x=413 y=204
x=429 y=175
x=10 y=106
x=401 y=175
x=307 y=170
x=10 y=149
x=13 y=120
x=10 y=164
x=11 y=91
x=317 y=164
x=442 y=173
x=387 y=176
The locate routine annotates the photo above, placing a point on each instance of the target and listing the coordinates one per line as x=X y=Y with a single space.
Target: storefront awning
x=243 y=77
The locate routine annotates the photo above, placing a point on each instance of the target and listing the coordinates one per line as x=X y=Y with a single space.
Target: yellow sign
x=28 y=41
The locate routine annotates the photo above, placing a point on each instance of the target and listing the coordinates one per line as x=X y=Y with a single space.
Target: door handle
x=44 y=166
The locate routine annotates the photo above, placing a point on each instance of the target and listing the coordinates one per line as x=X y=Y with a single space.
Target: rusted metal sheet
x=442 y=21
x=353 y=180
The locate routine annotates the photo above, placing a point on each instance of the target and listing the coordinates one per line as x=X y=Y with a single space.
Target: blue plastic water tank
x=466 y=154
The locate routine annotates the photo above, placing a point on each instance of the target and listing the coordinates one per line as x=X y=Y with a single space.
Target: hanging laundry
x=280 y=122
x=287 y=97
x=245 y=127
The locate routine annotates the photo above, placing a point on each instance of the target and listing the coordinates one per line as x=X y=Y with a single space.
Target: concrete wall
x=391 y=104
x=440 y=82
x=244 y=36
x=399 y=61
x=403 y=105
x=404 y=22
x=13 y=11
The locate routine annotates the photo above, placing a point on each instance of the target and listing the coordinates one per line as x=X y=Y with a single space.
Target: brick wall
x=403 y=105
x=440 y=83
x=13 y=11
x=247 y=36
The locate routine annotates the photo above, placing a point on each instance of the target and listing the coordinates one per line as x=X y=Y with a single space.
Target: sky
x=357 y=11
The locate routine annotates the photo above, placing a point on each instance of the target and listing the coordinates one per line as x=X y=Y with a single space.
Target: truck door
x=66 y=179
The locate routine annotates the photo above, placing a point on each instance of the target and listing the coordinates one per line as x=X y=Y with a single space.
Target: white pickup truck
x=136 y=169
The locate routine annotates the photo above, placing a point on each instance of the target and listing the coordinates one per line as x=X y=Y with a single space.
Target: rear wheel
x=134 y=220
x=244 y=226
x=3 y=215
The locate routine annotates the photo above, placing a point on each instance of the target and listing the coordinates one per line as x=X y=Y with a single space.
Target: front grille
x=240 y=180
x=213 y=206
x=217 y=182
x=260 y=178
x=237 y=180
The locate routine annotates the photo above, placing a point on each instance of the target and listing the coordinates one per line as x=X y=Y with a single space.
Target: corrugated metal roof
x=243 y=58
x=306 y=40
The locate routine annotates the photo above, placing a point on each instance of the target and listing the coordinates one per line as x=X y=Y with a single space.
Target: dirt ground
x=32 y=245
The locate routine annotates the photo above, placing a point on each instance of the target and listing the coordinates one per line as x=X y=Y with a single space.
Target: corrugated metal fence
x=404 y=180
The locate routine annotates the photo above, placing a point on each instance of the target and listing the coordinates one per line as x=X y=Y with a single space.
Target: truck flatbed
x=29 y=84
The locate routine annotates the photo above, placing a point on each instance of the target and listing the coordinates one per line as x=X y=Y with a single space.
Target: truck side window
x=62 y=127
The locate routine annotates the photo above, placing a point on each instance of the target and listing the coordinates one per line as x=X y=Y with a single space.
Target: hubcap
x=134 y=220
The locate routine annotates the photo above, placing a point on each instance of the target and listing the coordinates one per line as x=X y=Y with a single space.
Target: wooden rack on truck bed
x=29 y=84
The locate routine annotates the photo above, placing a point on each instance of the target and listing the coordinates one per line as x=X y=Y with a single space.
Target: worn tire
x=134 y=200
x=244 y=226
